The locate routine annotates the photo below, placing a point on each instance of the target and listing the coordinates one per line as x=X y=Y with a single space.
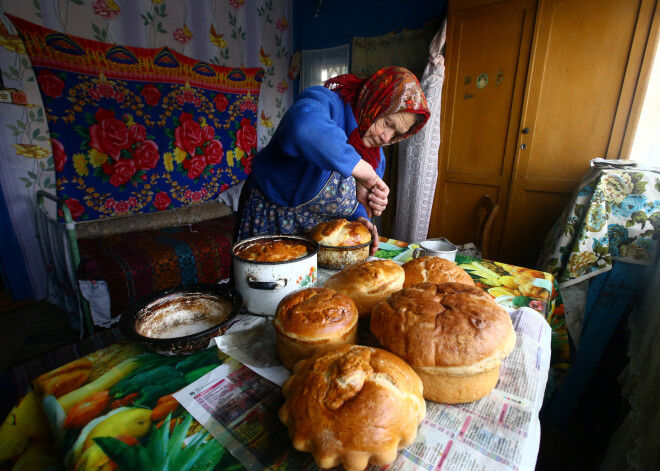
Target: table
x=124 y=391
x=603 y=244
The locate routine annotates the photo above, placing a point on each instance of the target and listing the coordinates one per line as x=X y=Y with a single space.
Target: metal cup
x=436 y=248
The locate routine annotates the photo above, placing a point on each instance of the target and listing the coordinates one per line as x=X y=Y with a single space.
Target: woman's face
x=387 y=127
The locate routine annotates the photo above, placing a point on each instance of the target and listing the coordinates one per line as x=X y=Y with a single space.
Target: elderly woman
x=324 y=161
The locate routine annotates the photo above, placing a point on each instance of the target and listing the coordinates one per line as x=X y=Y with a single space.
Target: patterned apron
x=337 y=199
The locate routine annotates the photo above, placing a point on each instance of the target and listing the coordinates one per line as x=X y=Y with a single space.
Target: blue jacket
x=308 y=145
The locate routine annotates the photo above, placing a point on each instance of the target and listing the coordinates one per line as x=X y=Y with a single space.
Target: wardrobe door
x=487 y=52
x=584 y=65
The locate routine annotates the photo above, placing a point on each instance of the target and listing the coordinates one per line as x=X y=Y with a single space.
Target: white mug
x=436 y=248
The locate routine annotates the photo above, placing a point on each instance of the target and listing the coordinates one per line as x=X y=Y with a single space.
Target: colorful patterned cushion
x=136 y=130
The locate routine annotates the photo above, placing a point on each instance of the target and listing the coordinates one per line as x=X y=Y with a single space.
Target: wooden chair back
x=486 y=212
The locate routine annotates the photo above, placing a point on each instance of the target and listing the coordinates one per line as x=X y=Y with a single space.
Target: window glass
x=319 y=65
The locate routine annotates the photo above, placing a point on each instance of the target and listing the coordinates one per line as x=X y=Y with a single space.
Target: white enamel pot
x=263 y=284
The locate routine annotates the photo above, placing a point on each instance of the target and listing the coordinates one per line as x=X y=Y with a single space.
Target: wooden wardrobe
x=534 y=90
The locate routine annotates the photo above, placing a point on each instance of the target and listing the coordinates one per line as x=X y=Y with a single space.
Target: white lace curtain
x=418 y=156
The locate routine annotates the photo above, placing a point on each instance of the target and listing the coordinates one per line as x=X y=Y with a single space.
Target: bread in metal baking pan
x=340 y=233
x=272 y=250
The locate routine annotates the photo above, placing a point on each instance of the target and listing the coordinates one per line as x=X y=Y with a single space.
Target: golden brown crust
x=340 y=233
x=453 y=335
x=458 y=389
x=312 y=318
x=447 y=325
x=315 y=313
x=434 y=269
x=291 y=350
x=272 y=250
x=352 y=405
x=368 y=283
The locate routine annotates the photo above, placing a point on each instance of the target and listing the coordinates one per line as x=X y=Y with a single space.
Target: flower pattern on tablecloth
x=614 y=215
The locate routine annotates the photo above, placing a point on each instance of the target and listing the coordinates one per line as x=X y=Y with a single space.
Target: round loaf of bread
x=434 y=269
x=352 y=405
x=311 y=318
x=340 y=233
x=453 y=335
x=368 y=283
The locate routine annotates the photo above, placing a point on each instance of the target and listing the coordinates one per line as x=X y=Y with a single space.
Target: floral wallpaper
x=233 y=33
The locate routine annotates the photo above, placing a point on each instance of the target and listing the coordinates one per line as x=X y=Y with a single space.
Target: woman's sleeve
x=311 y=131
x=380 y=170
x=360 y=211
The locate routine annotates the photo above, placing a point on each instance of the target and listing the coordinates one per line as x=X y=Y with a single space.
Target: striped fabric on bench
x=137 y=264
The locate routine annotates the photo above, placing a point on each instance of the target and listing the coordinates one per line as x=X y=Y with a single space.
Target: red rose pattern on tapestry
x=136 y=130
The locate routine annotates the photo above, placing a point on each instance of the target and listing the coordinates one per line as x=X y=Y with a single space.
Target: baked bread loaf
x=368 y=283
x=340 y=233
x=453 y=335
x=353 y=405
x=434 y=269
x=272 y=250
x=311 y=318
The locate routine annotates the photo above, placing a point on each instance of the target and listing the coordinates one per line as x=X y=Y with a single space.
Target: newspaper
x=239 y=406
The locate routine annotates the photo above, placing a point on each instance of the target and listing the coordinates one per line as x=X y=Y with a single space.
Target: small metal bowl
x=182 y=320
x=341 y=257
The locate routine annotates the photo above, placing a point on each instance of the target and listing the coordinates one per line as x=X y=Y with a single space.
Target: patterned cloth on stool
x=137 y=264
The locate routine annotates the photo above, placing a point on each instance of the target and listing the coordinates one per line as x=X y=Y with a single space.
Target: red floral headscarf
x=388 y=91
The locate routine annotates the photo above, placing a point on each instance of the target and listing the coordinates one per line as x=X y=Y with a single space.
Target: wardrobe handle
x=525 y=131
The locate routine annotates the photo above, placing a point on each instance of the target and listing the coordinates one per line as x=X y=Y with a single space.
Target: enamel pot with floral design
x=264 y=284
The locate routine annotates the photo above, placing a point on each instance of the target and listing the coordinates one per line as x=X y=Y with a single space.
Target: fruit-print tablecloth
x=614 y=215
x=113 y=408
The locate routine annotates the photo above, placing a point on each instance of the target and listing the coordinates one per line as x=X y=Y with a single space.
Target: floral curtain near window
x=233 y=33
x=418 y=156
x=407 y=49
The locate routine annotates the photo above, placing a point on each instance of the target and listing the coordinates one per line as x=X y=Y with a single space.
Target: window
x=646 y=144
x=319 y=65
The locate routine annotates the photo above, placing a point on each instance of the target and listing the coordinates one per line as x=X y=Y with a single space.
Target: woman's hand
x=378 y=197
x=371 y=190
x=374 y=234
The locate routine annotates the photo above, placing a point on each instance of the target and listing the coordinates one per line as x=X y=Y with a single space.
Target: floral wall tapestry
x=137 y=130
x=231 y=33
